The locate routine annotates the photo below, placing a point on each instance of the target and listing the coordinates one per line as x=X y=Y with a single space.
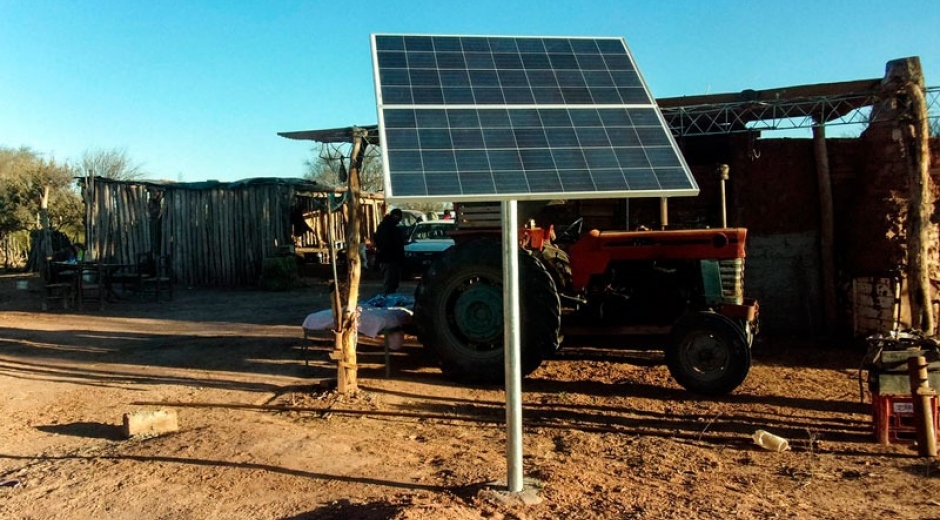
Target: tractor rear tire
x=458 y=312
x=708 y=354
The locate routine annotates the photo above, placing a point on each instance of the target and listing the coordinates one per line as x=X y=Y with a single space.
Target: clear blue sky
x=198 y=90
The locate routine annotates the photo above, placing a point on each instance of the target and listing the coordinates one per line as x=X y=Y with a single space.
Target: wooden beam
x=796 y=92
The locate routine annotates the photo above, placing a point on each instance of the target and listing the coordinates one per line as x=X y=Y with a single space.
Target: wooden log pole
x=921 y=200
x=826 y=227
x=904 y=81
x=347 y=380
x=46 y=232
x=921 y=395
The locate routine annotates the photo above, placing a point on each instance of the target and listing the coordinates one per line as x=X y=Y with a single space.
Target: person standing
x=390 y=250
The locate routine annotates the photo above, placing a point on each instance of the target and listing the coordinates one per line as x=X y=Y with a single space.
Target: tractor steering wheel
x=571 y=232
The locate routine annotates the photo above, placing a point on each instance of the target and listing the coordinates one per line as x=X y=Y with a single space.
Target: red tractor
x=685 y=286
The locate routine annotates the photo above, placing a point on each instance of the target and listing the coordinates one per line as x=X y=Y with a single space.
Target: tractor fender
x=719 y=319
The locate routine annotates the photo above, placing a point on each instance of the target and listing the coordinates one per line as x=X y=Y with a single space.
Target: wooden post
x=347 y=382
x=921 y=395
x=826 y=227
x=903 y=86
x=46 y=234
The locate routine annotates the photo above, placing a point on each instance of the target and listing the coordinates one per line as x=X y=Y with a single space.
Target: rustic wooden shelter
x=217 y=233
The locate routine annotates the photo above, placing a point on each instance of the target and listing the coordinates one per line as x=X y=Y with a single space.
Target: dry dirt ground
x=608 y=435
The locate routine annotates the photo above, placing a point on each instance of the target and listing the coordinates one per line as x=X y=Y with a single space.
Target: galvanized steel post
x=512 y=348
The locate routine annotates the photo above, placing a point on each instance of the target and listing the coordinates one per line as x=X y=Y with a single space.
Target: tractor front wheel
x=708 y=354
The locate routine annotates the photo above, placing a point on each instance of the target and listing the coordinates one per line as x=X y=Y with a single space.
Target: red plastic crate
x=893 y=417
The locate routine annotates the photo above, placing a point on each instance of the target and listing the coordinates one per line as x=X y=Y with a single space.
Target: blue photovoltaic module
x=475 y=118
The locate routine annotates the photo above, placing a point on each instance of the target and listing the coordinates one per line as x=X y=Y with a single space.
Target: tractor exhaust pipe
x=663 y=213
x=723 y=173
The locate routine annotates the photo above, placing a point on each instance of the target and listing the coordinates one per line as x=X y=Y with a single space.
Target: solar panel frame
x=458 y=123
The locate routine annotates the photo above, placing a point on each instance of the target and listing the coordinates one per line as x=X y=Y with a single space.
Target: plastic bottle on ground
x=770 y=442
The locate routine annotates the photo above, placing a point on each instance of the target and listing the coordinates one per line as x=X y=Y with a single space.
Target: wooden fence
x=217 y=233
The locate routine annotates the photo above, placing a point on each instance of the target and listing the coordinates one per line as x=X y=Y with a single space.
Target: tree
x=27 y=181
x=15 y=214
x=112 y=164
x=15 y=211
x=330 y=166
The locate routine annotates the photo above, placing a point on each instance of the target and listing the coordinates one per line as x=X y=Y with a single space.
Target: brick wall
x=873 y=303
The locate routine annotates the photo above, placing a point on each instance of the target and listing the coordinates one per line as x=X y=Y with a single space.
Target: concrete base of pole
x=496 y=492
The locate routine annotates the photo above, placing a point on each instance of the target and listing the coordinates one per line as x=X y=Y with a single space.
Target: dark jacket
x=389 y=241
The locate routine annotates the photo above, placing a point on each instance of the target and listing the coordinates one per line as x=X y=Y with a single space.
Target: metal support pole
x=512 y=349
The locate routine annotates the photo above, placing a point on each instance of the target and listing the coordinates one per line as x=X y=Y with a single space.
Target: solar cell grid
x=471 y=117
x=572 y=71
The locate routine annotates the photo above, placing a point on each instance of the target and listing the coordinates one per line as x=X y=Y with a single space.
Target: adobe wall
x=875 y=230
x=771 y=191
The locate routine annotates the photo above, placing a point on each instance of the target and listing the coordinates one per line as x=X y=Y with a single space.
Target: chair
x=125 y=276
x=90 y=284
x=58 y=285
x=155 y=274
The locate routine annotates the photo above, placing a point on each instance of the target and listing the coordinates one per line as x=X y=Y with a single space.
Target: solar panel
x=476 y=118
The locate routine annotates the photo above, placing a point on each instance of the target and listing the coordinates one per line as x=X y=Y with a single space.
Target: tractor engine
x=639 y=292
x=655 y=277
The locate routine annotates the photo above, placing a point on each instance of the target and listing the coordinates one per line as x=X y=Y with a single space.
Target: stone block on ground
x=150 y=423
